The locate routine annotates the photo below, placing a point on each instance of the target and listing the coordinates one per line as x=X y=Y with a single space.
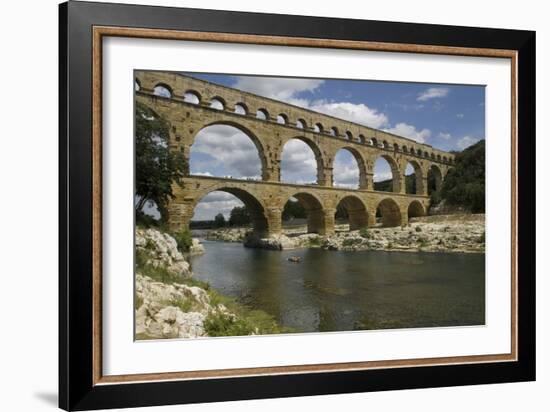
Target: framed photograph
x=257 y=205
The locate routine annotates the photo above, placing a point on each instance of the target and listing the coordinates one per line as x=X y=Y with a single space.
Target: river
x=336 y=291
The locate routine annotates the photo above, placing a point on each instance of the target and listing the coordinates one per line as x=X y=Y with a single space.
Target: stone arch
x=349 y=135
x=439 y=157
x=435 y=179
x=301 y=124
x=374 y=142
x=333 y=131
x=389 y=212
x=315 y=213
x=262 y=114
x=282 y=118
x=252 y=136
x=362 y=138
x=319 y=160
x=163 y=90
x=395 y=147
x=217 y=103
x=415 y=209
x=318 y=128
x=418 y=187
x=356 y=209
x=405 y=149
x=192 y=96
x=394 y=168
x=256 y=209
x=241 y=108
x=361 y=165
x=385 y=144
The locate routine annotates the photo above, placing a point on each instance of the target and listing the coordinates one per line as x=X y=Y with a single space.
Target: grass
x=245 y=322
x=157 y=273
x=185 y=305
x=183 y=239
x=315 y=242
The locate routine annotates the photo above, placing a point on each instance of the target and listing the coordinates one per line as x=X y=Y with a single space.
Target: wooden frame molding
x=99 y=32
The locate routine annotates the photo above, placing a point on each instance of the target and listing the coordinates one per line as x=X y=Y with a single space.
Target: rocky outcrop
x=161 y=249
x=283 y=242
x=228 y=234
x=442 y=236
x=172 y=310
x=196 y=247
x=442 y=233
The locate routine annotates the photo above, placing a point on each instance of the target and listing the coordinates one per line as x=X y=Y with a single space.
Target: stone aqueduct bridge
x=192 y=104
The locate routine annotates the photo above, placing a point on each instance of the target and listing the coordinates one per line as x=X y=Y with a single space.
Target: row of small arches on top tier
x=218 y=103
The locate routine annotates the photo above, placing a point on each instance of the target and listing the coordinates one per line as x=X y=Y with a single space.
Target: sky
x=448 y=117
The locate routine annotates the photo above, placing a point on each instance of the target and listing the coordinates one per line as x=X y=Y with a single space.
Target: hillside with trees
x=464 y=185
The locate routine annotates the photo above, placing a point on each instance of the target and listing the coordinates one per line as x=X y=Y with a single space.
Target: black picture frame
x=77 y=390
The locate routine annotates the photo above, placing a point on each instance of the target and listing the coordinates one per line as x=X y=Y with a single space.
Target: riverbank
x=170 y=303
x=440 y=233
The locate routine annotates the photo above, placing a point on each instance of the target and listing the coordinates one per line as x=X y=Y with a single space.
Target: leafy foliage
x=239 y=216
x=464 y=184
x=293 y=209
x=184 y=239
x=365 y=233
x=157 y=167
x=219 y=220
x=387 y=185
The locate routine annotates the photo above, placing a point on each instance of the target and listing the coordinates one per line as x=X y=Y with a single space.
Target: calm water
x=332 y=291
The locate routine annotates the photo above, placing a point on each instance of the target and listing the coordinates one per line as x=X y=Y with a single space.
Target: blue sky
x=448 y=117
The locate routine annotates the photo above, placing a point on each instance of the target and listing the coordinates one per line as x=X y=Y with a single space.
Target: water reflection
x=335 y=291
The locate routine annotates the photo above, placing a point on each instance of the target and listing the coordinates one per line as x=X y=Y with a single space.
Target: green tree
x=341 y=213
x=219 y=220
x=239 y=216
x=293 y=209
x=157 y=167
x=464 y=184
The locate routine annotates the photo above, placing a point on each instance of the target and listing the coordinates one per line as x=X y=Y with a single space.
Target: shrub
x=418 y=229
x=183 y=239
x=350 y=241
x=315 y=241
x=185 y=305
x=481 y=238
x=221 y=324
x=364 y=233
x=157 y=273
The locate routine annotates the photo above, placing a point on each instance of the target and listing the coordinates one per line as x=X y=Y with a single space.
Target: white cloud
x=445 y=136
x=214 y=203
x=432 y=93
x=276 y=88
x=407 y=130
x=346 y=171
x=380 y=177
x=298 y=164
x=287 y=90
x=466 y=141
x=460 y=115
x=229 y=152
x=353 y=112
